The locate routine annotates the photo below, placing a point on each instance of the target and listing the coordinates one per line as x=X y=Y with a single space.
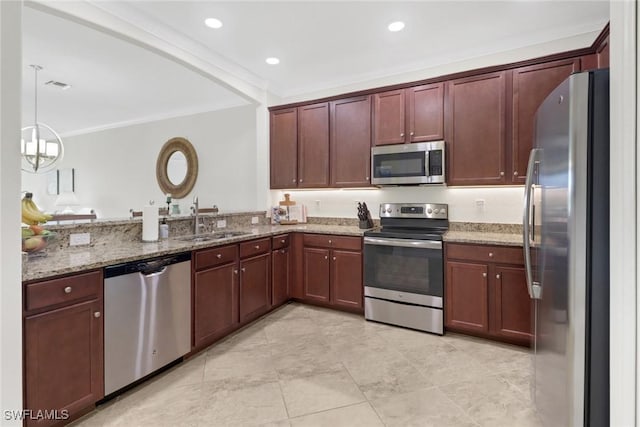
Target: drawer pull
x=96 y=314
x=282 y=251
x=219 y=256
x=257 y=246
x=67 y=290
x=490 y=254
x=235 y=271
x=329 y=241
x=243 y=269
x=334 y=258
x=326 y=257
x=497 y=276
x=484 y=274
x=282 y=241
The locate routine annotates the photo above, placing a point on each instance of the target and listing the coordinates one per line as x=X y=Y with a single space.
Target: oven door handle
x=403 y=243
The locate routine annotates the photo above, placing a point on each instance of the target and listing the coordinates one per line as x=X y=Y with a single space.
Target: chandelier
x=40 y=146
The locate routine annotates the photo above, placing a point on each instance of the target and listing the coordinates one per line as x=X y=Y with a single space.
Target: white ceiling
x=320 y=44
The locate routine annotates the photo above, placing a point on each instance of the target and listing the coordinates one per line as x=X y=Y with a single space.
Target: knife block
x=365 y=224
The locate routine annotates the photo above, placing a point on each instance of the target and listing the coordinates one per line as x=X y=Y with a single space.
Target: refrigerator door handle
x=533 y=287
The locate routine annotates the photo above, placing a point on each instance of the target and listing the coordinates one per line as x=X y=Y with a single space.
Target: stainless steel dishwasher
x=147 y=317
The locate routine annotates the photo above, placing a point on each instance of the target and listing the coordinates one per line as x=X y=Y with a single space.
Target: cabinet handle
x=67 y=290
x=484 y=274
x=334 y=258
x=243 y=269
x=282 y=241
x=235 y=271
x=497 y=276
x=219 y=256
x=326 y=257
x=501 y=173
x=282 y=251
x=329 y=241
x=366 y=178
x=515 y=173
x=299 y=180
x=294 y=180
x=96 y=314
x=257 y=246
x=410 y=133
x=490 y=254
x=402 y=134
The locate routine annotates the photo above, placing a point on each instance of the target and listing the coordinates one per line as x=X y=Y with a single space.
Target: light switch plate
x=77 y=239
x=255 y=220
x=221 y=223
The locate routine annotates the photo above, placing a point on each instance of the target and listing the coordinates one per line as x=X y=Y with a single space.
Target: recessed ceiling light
x=272 y=61
x=396 y=26
x=213 y=23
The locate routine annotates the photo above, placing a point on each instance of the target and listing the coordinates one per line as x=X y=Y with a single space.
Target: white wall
x=501 y=205
x=10 y=265
x=116 y=169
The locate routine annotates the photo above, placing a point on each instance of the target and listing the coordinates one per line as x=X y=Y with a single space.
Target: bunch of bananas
x=31 y=215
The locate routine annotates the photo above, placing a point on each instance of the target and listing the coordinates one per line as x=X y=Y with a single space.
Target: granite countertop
x=76 y=259
x=483 y=237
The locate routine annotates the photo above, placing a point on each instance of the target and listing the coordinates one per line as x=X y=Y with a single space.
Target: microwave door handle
x=427 y=171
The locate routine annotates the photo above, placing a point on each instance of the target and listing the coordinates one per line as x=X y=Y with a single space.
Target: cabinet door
x=466 y=305
x=475 y=129
x=426 y=112
x=315 y=272
x=346 y=279
x=388 y=117
x=279 y=276
x=531 y=86
x=215 y=303
x=351 y=142
x=255 y=287
x=603 y=54
x=512 y=305
x=64 y=364
x=313 y=145
x=284 y=148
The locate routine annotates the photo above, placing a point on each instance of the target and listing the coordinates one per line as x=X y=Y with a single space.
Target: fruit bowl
x=38 y=242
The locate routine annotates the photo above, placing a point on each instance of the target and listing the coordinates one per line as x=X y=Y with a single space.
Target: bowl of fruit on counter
x=35 y=237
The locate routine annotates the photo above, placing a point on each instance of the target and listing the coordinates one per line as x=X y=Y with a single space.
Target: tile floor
x=308 y=366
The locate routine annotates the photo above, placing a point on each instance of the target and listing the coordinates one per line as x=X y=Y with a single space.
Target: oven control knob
x=389 y=210
x=429 y=211
x=436 y=210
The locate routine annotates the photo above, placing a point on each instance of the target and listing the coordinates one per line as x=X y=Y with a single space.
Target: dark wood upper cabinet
x=531 y=85
x=313 y=145
x=389 y=118
x=346 y=279
x=351 y=142
x=475 y=129
x=255 y=291
x=425 y=112
x=284 y=148
x=64 y=360
x=603 y=54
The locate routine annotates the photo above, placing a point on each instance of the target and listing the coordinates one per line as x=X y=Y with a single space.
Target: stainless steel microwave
x=408 y=164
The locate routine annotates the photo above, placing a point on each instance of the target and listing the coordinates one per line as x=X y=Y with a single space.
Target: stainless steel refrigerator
x=566 y=245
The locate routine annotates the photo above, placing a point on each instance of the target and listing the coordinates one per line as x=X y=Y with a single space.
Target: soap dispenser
x=164 y=229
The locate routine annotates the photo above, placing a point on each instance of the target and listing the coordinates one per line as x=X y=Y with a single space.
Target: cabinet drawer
x=215 y=256
x=334 y=242
x=254 y=247
x=281 y=241
x=63 y=290
x=486 y=253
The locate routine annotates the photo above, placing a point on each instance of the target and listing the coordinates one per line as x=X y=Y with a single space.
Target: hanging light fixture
x=40 y=145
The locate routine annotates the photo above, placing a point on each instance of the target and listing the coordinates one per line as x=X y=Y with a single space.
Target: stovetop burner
x=418 y=221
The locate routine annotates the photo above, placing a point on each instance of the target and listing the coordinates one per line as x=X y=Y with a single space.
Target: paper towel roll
x=150 y=224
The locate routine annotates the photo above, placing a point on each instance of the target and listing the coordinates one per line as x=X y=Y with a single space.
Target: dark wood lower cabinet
x=346 y=279
x=316 y=271
x=64 y=360
x=512 y=309
x=467 y=301
x=215 y=303
x=486 y=293
x=280 y=271
x=255 y=292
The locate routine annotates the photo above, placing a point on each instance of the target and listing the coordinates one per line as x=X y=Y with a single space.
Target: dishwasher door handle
x=156 y=273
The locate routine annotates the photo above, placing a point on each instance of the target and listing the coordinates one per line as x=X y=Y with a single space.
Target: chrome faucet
x=196 y=223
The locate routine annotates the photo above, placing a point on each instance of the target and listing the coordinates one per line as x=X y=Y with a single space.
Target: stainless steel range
x=403 y=266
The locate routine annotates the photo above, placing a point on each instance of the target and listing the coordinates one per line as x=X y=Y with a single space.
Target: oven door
x=404 y=270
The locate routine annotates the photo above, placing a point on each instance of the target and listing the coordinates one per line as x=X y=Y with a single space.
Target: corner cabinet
x=475 y=129
x=63 y=346
x=486 y=293
x=332 y=271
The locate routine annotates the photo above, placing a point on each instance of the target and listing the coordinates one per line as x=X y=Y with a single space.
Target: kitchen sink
x=219 y=235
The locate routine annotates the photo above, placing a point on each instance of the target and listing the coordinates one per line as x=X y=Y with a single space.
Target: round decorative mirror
x=177 y=167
